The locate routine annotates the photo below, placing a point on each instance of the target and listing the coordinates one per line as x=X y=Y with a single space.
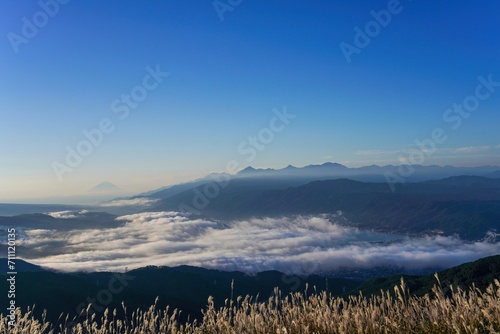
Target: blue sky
x=225 y=79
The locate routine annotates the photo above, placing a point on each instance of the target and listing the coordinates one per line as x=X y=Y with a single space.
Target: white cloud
x=130 y=202
x=300 y=245
x=67 y=214
x=472 y=149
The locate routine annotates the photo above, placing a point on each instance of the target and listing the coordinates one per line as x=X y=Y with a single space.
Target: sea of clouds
x=300 y=245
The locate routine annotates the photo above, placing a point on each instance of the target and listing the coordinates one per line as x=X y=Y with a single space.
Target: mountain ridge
x=308 y=173
x=464 y=205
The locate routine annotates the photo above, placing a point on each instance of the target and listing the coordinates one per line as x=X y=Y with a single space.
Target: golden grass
x=471 y=311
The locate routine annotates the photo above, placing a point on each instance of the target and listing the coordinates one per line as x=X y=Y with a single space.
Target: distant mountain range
x=371 y=173
x=434 y=200
x=294 y=176
x=467 y=205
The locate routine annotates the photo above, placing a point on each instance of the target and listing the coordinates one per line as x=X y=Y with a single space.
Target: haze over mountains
x=432 y=199
x=291 y=175
x=270 y=178
x=371 y=173
x=320 y=218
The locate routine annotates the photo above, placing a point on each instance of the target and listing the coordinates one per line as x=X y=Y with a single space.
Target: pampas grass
x=462 y=311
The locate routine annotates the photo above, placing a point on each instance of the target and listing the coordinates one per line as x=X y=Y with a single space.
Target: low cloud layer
x=67 y=214
x=293 y=245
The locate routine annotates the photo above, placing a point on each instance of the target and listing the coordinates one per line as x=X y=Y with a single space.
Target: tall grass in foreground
x=471 y=311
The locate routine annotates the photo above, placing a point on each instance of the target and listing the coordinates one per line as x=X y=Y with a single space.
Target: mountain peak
x=333 y=164
x=249 y=169
x=105 y=187
x=328 y=165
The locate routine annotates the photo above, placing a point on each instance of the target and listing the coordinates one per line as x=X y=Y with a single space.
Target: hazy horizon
x=86 y=196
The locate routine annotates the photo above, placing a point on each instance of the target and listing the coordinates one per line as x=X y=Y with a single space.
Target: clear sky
x=362 y=91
